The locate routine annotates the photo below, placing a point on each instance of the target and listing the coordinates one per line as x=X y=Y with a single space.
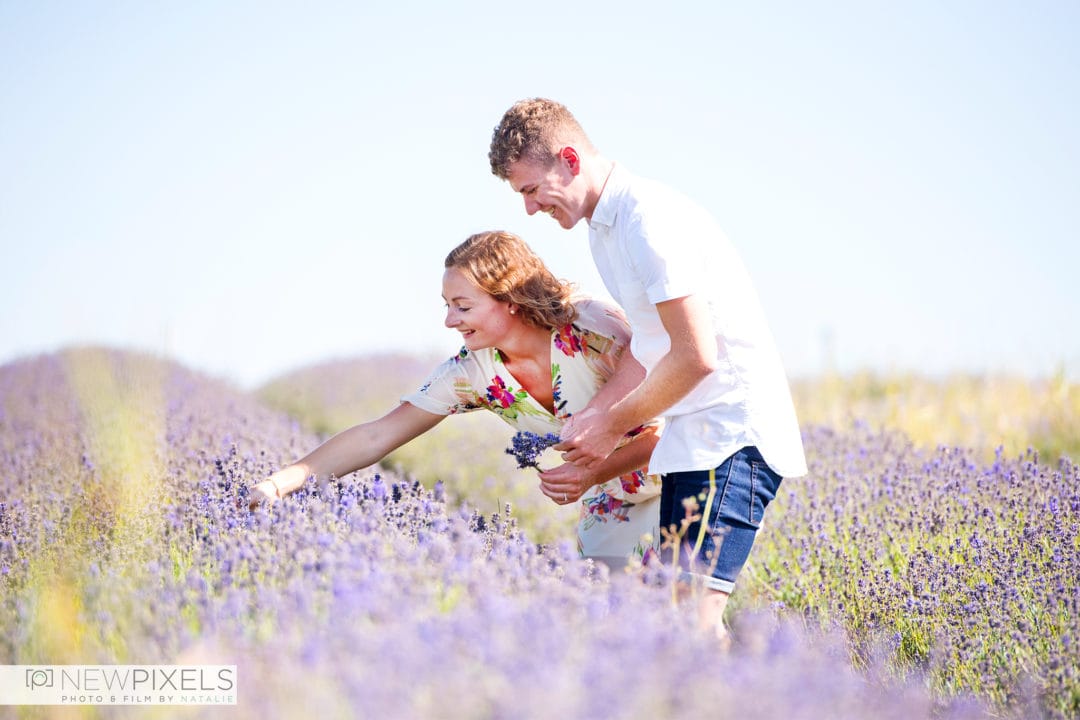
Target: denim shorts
x=734 y=496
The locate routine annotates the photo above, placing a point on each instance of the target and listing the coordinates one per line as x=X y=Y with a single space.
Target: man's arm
x=591 y=436
x=629 y=373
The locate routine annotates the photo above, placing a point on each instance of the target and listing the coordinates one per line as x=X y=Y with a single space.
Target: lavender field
x=898 y=580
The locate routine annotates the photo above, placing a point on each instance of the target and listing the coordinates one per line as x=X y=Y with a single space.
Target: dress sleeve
x=604 y=319
x=598 y=338
x=448 y=390
x=609 y=333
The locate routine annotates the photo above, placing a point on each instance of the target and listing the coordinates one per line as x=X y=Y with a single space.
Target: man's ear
x=573 y=161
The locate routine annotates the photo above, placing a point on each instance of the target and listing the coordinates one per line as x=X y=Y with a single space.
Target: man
x=713 y=371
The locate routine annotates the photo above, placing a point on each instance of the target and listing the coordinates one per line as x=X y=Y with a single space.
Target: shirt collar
x=607 y=207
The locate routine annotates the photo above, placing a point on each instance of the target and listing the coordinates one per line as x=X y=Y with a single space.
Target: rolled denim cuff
x=707 y=581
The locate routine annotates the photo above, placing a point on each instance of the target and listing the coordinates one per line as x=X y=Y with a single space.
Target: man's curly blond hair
x=503 y=266
x=535 y=130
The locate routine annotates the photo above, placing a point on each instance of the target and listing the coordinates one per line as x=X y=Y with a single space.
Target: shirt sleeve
x=448 y=390
x=673 y=247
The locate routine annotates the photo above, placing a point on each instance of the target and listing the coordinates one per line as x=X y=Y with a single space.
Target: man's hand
x=587 y=439
x=592 y=434
x=566 y=483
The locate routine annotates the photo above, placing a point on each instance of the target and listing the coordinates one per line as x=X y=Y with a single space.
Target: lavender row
x=967 y=570
x=125 y=537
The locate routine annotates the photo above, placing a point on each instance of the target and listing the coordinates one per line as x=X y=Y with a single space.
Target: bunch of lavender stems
x=526 y=447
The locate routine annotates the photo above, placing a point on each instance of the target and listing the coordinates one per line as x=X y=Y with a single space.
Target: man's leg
x=711 y=606
x=728 y=502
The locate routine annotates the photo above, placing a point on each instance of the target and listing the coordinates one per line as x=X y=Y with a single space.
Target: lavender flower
x=527 y=446
x=952 y=584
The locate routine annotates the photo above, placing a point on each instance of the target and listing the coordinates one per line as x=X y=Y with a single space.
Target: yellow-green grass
x=103 y=519
x=981 y=412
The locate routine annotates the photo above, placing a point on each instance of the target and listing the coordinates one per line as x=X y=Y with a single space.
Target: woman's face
x=482 y=320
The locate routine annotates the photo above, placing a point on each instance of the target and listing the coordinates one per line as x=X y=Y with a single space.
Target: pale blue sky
x=253 y=187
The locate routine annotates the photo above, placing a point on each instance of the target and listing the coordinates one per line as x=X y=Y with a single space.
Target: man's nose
x=531 y=206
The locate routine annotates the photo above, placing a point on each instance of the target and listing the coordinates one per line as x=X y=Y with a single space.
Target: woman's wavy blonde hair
x=503 y=266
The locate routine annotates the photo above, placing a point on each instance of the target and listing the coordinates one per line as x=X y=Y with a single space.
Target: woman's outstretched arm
x=350 y=450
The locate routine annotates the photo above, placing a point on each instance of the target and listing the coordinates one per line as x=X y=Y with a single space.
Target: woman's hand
x=265 y=492
x=566 y=483
x=284 y=481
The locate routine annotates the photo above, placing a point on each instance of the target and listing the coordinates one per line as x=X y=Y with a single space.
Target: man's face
x=550 y=189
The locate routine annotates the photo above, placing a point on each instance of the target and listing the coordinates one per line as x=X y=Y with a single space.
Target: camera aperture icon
x=39 y=678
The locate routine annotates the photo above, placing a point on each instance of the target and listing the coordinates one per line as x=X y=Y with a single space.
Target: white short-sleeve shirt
x=652 y=244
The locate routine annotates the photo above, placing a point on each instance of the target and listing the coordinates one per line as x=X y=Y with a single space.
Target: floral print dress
x=620 y=517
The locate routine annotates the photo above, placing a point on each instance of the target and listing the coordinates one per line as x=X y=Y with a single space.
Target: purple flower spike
x=527 y=446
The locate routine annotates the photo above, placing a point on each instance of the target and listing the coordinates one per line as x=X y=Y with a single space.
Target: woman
x=534 y=357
